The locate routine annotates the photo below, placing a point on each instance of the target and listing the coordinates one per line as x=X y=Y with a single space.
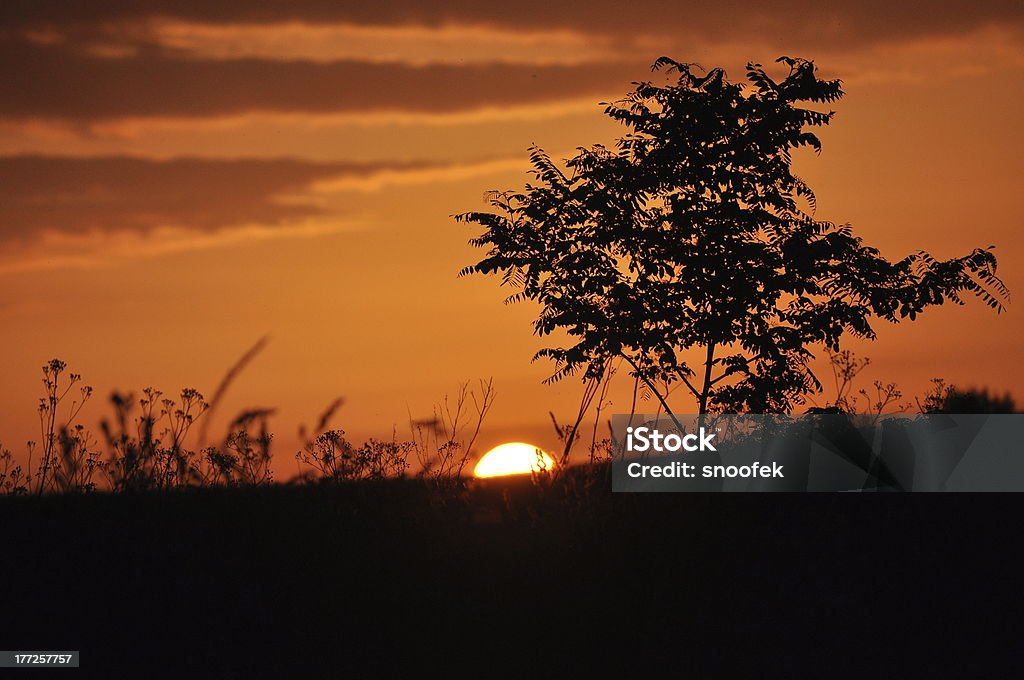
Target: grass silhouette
x=144 y=445
x=200 y=563
x=144 y=442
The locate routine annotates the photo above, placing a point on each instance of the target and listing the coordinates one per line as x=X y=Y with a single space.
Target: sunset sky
x=179 y=179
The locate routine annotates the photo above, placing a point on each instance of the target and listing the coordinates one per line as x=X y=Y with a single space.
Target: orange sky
x=178 y=179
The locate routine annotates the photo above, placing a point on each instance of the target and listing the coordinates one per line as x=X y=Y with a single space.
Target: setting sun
x=514 y=458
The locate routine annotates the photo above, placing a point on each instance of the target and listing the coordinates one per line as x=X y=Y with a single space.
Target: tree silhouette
x=693 y=234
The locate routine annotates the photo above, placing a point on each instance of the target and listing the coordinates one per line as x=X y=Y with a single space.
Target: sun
x=513 y=458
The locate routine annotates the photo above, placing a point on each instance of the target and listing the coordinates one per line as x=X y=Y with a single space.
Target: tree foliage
x=693 y=236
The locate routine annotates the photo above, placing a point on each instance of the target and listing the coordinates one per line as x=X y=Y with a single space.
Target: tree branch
x=661 y=399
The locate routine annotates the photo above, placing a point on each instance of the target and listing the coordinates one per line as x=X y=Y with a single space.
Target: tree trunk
x=705 y=391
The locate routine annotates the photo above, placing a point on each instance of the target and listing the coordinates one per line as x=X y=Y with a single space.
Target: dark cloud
x=75 y=195
x=59 y=82
x=849 y=21
x=67 y=60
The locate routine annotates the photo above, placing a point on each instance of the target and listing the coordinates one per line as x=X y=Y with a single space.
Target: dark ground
x=387 y=580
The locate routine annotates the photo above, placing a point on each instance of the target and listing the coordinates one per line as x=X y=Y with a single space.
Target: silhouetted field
x=393 y=577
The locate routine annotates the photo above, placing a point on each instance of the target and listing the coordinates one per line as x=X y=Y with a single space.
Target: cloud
x=42 y=195
x=411 y=45
x=59 y=82
x=853 y=21
x=116 y=60
x=80 y=213
x=89 y=251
